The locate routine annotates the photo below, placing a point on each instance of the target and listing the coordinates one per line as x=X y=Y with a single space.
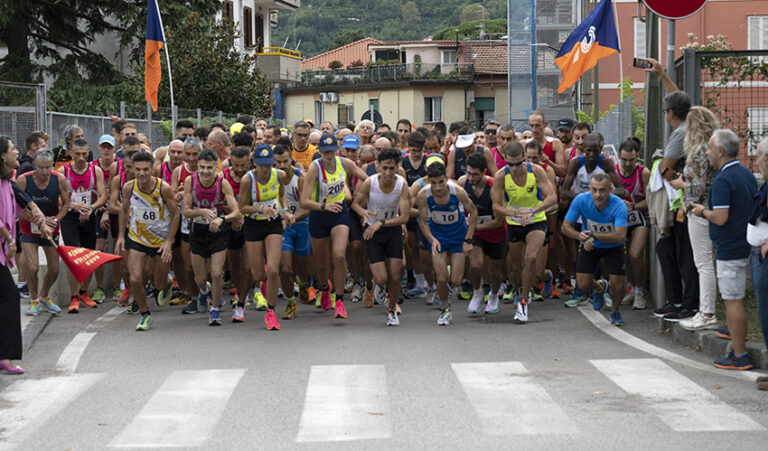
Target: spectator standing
x=757 y=236
x=729 y=206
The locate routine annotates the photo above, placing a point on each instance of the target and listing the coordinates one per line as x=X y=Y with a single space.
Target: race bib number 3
x=634 y=218
x=445 y=217
x=598 y=227
x=147 y=215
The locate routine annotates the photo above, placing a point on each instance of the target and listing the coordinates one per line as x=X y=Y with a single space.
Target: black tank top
x=411 y=173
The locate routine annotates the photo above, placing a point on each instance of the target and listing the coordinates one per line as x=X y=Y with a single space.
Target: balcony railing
x=266 y=51
x=388 y=73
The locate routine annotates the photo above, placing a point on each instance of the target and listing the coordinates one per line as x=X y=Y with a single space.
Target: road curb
x=34 y=329
x=709 y=343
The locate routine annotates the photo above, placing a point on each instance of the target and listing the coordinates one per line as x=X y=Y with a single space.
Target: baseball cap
x=310 y=122
x=263 y=155
x=107 y=139
x=565 y=123
x=465 y=140
x=328 y=143
x=350 y=142
x=434 y=158
x=236 y=128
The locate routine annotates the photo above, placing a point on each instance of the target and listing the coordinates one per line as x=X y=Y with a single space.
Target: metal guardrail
x=388 y=73
x=266 y=51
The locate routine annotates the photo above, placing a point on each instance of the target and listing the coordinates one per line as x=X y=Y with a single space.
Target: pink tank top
x=498 y=159
x=633 y=184
x=81 y=187
x=235 y=186
x=166 y=173
x=210 y=197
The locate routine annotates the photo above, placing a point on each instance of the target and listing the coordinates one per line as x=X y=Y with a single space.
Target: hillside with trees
x=321 y=25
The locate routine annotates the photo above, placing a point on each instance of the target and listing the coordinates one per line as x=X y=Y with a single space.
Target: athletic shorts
x=114 y=224
x=451 y=248
x=258 y=230
x=385 y=243
x=177 y=238
x=150 y=251
x=412 y=225
x=38 y=240
x=422 y=241
x=355 y=227
x=644 y=222
x=322 y=222
x=296 y=239
x=613 y=257
x=236 y=239
x=78 y=234
x=517 y=233
x=494 y=251
x=205 y=243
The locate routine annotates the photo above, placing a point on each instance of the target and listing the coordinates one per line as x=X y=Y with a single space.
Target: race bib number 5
x=82 y=198
x=598 y=227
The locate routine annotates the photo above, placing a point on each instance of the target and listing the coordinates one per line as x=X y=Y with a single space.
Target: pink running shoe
x=271 y=320
x=341 y=312
x=325 y=300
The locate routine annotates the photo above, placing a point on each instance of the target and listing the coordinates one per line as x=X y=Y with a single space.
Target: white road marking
x=106 y=318
x=183 y=411
x=70 y=357
x=25 y=320
x=29 y=403
x=509 y=401
x=600 y=322
x=677 y=400
x=345 y=402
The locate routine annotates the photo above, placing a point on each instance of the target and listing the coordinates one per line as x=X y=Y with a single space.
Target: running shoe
x=477 y=300
x=133 y=308
x=74 y=305
x=616 y=319
x=509 y=295
x=733 y=362
x=350 y=282
x=608 y=299
x=546 y=289
x=368 y=297
x=340 y=312
x=699 y=322
x=290 y=310
x=392 y=319
x=676 y=317
x=555 y=293
x=536 y=296
x=502 y=289
x=466 y=291
x=445 y=317
x=415 y=292
x=164 y=296
x=452 y=291
x=641 y=300
x=50 y=306
x=304 y=293
x=86 y=300
x=148 y=290
x=567 y=287
x=357 y=293
x=430 y=296
x=723 y=333
x=33 y=309
x=492 y=307
x=271 y=320
x=261 y=301
x=516 y=299
x=202 y=301
x=380 y=295
x=98 y=295
x=628 y=298
x=666 y=310
x=238 y=315
x=311 y=295
x=214 y=319
x=325 y=300
x=190 y=309
x=577 y=300
x=116 y=294
x=145 y=322
x=521 y=314
x=235 y=300
x=24 y=291
x=598 y=297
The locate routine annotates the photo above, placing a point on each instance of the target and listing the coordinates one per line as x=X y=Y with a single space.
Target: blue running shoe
x=598 y=298
x=616 y=319
x=516 y=299
x=734 y=362
x=215 y=319
x=546 y=291
x=415 y=292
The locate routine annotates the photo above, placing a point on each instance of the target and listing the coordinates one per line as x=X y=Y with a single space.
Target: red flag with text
x=82 y=262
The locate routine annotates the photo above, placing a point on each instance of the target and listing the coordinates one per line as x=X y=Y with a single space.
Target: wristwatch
x=468 y=240
x=322 y=206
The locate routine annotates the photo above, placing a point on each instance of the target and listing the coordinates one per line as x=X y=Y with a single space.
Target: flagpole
x=621 y=59
x=167 y=56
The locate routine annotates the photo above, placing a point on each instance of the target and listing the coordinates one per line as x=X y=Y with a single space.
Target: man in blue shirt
x=729 y=206
x=604 y=228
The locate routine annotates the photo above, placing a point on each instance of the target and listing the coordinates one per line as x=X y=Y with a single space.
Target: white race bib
x=385 y=214
x=146 y=215
x=598 y=227
x=634 y=218
x=82 y=198
x=333 y=189
x=269 y=203
x=445 y=217
x=485 y=218
x=35 y=229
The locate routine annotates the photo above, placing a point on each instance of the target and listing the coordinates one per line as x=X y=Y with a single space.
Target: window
x=757 y=123
x=344 y=114
x=319 y=112
x=373 y=103
x=248 y=26
x=757 y=31
x=449 y=56
x=433 y=109
x=229 y=11
x=640 y=39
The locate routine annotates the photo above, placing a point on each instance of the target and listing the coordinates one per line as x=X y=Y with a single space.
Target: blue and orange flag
x=593 y=39
x=154 y=41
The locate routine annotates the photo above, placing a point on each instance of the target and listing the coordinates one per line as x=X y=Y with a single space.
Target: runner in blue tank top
x=441 y=218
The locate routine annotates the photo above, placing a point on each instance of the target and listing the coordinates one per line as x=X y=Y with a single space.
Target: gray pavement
x=557 y=382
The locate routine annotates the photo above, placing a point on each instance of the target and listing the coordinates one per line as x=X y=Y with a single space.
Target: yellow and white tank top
x=329 y=187
x=264 y=195
x=150 y=219
x=526 y=196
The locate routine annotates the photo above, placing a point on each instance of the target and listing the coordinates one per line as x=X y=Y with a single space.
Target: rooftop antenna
x=297 y=45
x=285 y=44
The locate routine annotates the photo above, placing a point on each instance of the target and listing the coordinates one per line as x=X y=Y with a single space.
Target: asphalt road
x=558 y=382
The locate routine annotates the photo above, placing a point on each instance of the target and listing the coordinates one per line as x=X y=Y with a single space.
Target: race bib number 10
x=445 y=217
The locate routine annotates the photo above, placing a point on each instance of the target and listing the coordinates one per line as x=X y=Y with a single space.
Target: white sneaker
x=452 y=291
x=629 y=298
x=502 y=290
x=641 y=301
x=445 y=317
x=379 y=295
x=357 y=293
x=493 y=304
x=521 y=315
x=430 y=298
x=392 y=319
x=699 y=322
x=477 y=300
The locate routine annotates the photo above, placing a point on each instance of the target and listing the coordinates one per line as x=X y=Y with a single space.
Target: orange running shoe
x=555 y=294
x=368 y=297
x=567 y=287
x=87 y=301
x=312 y=295
x=74 y=306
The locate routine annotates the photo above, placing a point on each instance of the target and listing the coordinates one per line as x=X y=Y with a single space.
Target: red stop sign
x=677 y=9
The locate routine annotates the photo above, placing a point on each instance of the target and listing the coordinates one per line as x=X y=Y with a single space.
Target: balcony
x=279 y=65
x=373 y=74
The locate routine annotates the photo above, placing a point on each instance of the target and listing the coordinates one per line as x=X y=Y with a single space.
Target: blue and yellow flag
x=153 y=42
x=593 y=39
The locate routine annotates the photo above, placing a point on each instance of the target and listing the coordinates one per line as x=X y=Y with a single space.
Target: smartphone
x=642 y=63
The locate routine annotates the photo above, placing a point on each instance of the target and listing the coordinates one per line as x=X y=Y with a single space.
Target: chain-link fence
x=21 y=111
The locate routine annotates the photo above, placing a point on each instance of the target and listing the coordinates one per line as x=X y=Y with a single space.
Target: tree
x=345 y=37
x=473 y=11
x=411 y=13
